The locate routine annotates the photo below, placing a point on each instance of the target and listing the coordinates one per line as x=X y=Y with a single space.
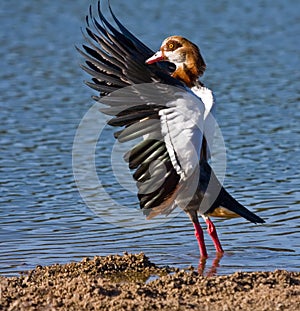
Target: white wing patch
x=182 y=128
x=207 y=98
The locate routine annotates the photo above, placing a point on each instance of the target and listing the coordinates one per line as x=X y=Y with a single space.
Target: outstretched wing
x=149 y=104
x=116 y=58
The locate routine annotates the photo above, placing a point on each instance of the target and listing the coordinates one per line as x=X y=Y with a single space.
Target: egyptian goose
x=171 y=162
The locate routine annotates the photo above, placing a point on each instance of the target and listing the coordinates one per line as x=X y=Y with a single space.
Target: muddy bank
x=132 y=282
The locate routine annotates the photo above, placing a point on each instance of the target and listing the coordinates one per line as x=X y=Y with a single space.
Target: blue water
x=252 y=55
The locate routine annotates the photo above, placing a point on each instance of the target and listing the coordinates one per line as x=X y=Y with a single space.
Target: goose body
x=164 y=103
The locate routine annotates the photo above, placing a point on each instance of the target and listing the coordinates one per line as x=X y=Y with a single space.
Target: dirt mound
x=132 y=282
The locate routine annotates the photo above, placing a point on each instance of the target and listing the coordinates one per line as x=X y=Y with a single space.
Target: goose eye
x=171 y=45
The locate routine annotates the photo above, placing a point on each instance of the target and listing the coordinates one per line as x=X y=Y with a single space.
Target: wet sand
x=132 y=282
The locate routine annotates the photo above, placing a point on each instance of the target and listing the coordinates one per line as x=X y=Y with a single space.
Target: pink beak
x=158 y=56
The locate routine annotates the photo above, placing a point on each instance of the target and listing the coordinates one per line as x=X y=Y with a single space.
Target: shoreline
x=133 y=282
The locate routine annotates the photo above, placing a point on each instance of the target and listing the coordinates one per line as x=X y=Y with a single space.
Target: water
x=252 y=55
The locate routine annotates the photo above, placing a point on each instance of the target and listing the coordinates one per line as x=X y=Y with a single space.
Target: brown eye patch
x=172 y=45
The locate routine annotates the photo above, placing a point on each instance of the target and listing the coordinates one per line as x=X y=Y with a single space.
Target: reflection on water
x=253 y=60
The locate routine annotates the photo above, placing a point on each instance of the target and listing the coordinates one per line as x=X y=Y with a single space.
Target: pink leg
x=213 y=233
x=200 y=239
